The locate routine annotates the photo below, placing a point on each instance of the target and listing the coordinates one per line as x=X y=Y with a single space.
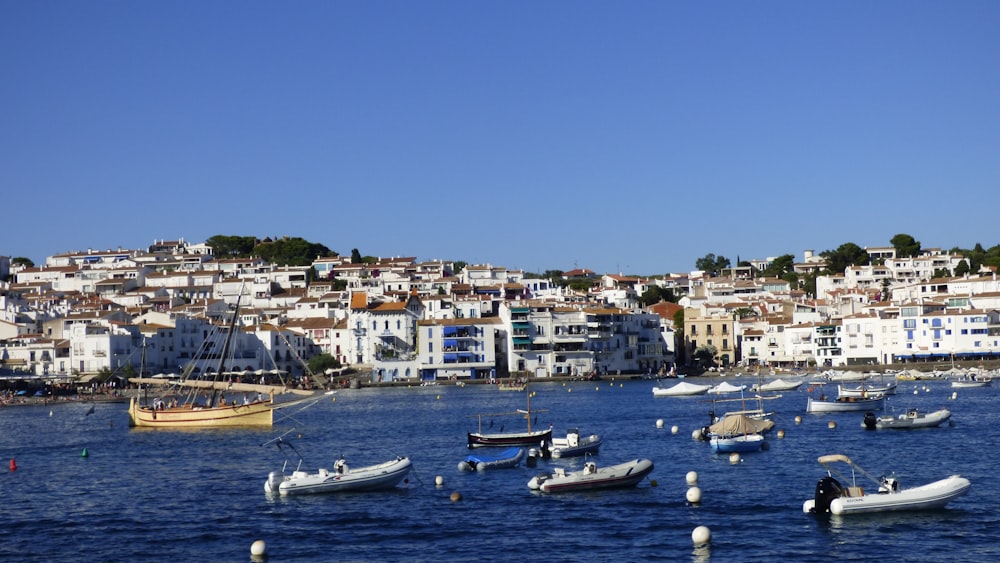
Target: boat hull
x=614 y=476
x=589 y=445
x=847 y=404
x=510 y=439
x=682 y=389
x=913 y=421
x=927 y=497
x=372 y=478
x=737 y=444
x=253 y=414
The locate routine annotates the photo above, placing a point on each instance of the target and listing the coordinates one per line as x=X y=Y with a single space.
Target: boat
x=910 y=420
x=512 y=385
x=777 y=385
x=509 y=439
x=193 y=402
x=626 y=474
x=864 y=391
x=573 y=445
x=510 y=457
x=725 y=387
x=737 y=433
x=972 y=381
x=832 y=496
x=823 y=403
x=683 y=388
x=341 y=478
x=739 y=443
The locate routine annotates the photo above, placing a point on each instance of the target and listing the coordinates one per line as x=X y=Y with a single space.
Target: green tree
x=293 y=251
x=22 y=261
x=228 y=246
x=847 y=254
x=322 y=362
x=355 y=256
x=655 y=294
x=712 y=264
x=705 y=354
x=780 y=266
x=905 y=245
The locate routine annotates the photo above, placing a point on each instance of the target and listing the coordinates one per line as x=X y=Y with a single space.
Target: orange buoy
x=13 y=465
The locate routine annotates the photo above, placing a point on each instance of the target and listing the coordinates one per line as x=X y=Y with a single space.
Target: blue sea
x=162 y=495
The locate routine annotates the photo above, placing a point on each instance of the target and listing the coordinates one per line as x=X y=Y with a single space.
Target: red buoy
x=13 y=465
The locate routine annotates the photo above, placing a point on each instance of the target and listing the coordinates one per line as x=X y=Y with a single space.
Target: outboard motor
x=870 y=421
x=827 y=489
x=274 y=480
x=532 y=457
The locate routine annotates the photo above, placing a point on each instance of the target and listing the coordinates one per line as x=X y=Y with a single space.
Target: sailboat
x=212 y=410
x=509 y=439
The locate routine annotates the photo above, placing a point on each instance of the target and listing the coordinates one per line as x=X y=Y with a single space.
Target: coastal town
x=99 y=317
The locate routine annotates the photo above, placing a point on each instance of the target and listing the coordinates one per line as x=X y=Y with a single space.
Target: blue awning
x=450 y=330
x=448 y=342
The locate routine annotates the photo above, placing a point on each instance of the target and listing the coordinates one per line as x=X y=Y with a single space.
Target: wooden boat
x=833 y=497
x=591 y=477
x=510 y=457
x=180 y=404
x=910 y=420
x=737 y=433
x=573 y=445
x=341 y=478
x=508 y=439
x=823 y=403
x=681 y=389
x=512 y=385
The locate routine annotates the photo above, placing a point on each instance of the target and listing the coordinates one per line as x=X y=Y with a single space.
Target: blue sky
x=629 y=137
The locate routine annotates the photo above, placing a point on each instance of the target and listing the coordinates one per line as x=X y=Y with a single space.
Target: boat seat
x=560 y=472
x=855 y=491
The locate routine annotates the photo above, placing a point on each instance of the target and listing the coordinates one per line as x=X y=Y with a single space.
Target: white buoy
x=734 y=458
x=659 y=423
x=701 y=536
x=258 y=548
x=954 y=395
x=696 y=434
x=674 y=429
x=831 y=425
x=693 y=495
x=781 y=433
x=916 y=391
x=691 y=478
x=798 y=420
x=439 y=481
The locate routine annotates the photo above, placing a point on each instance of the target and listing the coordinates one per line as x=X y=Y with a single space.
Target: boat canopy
x=740 y=424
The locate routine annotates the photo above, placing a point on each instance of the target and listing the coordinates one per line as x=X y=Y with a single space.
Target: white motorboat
x=832 y=496
x=823 y=403
x=972 y=381
x=340 y=479
x=726 y=387
x=681 y=389
x=911 y=419
x=777 y=385
x=573 y=445
x=592 y=477
x=864 y=391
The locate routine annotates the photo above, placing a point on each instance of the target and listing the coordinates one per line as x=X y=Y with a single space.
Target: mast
x=225 y=345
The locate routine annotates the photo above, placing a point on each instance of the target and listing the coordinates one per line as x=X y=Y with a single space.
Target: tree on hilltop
x=905 y=245
x=847 y=254
x=712 y=264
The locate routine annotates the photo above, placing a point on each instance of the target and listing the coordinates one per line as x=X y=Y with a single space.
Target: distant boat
x=777 y=385
x=508 y=439
x=912 y=419
x=681 y=389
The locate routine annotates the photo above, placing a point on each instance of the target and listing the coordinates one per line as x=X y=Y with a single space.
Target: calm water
x=153 y=495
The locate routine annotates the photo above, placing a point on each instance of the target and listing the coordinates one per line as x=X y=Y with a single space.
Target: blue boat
x=510 y=457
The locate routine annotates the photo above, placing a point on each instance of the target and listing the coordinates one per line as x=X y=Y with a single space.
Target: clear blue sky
x=629 y=136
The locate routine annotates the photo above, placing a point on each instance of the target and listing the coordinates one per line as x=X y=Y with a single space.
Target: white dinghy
x=833 y=497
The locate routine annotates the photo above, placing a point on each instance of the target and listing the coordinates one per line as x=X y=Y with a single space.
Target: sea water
x=89 y=488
